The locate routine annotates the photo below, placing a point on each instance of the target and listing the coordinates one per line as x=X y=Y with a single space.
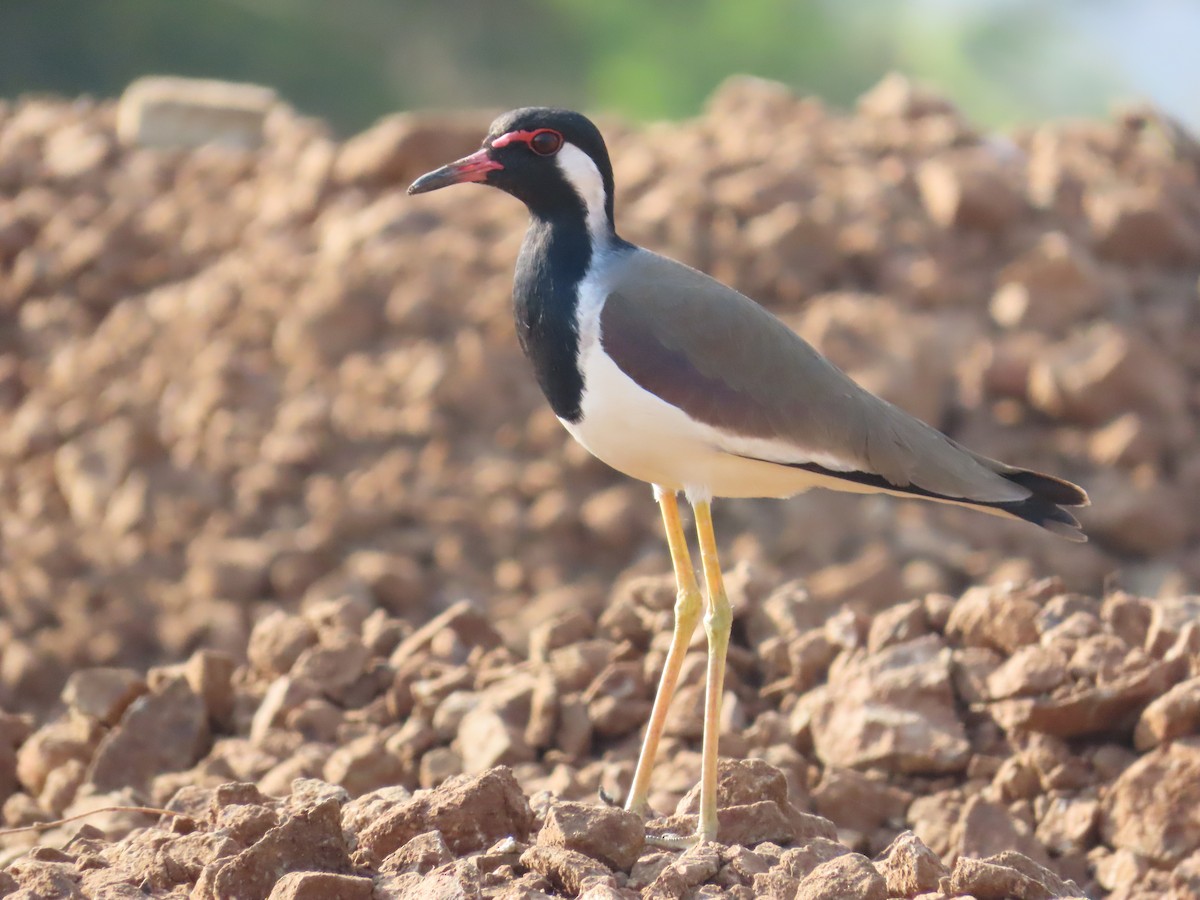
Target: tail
x=1044 y=505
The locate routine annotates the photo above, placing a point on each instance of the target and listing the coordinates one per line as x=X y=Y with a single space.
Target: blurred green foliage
x=353 y=60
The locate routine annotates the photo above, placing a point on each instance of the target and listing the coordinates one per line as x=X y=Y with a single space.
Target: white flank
x=581 y=173
x=645 y=437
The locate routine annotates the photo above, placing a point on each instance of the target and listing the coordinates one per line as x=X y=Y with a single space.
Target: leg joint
x=719 y=617
x=687 y=603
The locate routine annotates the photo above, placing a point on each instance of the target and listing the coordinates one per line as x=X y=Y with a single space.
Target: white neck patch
x=581 y=173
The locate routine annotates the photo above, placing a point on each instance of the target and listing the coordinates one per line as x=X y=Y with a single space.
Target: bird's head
x=553 y=160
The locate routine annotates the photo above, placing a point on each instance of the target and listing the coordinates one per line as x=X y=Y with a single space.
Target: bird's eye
x=546 y=142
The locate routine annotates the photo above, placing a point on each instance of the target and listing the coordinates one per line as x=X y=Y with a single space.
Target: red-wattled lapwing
x=673 y=378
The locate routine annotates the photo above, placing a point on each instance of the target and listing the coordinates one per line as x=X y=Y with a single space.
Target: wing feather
x=728 y=362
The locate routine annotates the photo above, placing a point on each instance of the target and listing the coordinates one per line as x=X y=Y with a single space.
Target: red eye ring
x=545 y=142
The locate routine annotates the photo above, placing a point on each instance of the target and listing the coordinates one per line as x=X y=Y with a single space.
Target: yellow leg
x=717 y=621
x=687 y=614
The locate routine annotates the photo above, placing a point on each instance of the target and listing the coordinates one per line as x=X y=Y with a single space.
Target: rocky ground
x=292 y=547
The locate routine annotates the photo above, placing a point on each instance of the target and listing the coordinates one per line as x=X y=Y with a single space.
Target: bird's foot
x=670 y=841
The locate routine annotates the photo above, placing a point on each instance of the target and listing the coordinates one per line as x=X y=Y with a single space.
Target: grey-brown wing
x=727 y=362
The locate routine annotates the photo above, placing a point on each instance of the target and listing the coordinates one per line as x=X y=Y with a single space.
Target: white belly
x=647 y=438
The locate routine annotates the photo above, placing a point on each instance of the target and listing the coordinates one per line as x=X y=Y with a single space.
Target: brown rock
x=1140 y=516
x=1105 y=371
x=849 y=875
x=360 y=812
x=1031 y=670
x=246 y=823
x=775 y=885
x=232 y=569
x=1007 y=876
x=854 y=800
x=750 y=824
x=335 y=665
x=1138 y=228
x=322 y=886
x=422 y=854
x=1120 y=870
x=309 y=840
x=972 y=667
x=76 y=151
x=696 y=865
x=741 y=781
x=1049 y=287
x=649 y=867
x=471 y=812
x=103 y=693
x=616 y=701
x=986 y=828
x=210 y=675
x=1001 y=618
x=1016 y=779
x=1058 y=768
x=1082 y=708
x=577 y=665
x=1153 y=808
x=8 y=771
x=934 y=818
x=398 y=148
x=1175 y=714
x=164 y=111
x=743 y=864
x=463 y=620
x=893 y=710
x=1185 y=879
x=787 y=612
x=53 y=745
x=277 y=640
x=454 y=881
x=867 y=583
x=612 y=836
x=165 y=731
x=364 y=764
x=811 y=852
x=396 y=582
x=1068 y=824
x=1169 y=618
x=178 y=861
x=46 y=878
x=543 y=712
x=437 y=765
x=599 y=890
x=808 y=827
x=566 y=869
x=809 y=658
x=898 y=96
x=968 y=192
x=562 y=631
x=62 y=785
x=909 y=867
x=487 y=739
x=284 y=695
x=1127 y=441
x=897 y=624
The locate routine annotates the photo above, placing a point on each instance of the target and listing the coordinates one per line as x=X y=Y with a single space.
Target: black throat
x=554 y=260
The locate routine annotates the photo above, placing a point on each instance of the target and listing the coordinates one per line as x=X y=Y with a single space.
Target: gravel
x=292 y=548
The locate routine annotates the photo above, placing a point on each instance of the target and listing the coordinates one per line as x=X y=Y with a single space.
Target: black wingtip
x=1044 y=506
x=1054 y=490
